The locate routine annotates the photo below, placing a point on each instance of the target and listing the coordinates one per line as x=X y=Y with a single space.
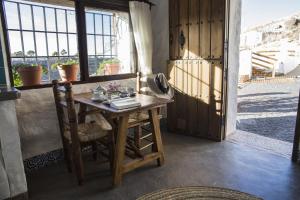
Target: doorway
x=269 y=71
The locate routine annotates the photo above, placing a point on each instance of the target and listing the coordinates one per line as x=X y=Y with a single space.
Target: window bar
x=110 y=37
x=94 y=19
x=21 y=31
x=55 y=14
x=46 y=38
x=103 y=48
x=33 y=29
x=67 y=30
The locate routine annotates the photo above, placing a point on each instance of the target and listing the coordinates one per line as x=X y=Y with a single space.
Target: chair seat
x=138 y=117
x=88 y=132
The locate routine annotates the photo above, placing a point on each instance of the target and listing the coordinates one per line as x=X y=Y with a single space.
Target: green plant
x=102 y=65
x=66 y=63
x=17 y=78
x=21 y=65
x=16 y=75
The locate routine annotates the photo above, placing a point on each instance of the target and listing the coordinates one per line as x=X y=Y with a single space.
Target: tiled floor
x=189 y=162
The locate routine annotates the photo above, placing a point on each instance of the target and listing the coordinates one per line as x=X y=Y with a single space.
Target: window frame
x=81 y=42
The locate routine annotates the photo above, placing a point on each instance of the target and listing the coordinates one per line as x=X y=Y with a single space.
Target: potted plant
x=68 y=70
x=30 y=74
x=109 y=67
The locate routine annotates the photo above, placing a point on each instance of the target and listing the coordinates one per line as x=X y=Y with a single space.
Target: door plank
x=180 y=97
x=194 y=29
x=184 y=28
x=215 y=109
x=217 y=29
x=203 y=103
x=205 y=14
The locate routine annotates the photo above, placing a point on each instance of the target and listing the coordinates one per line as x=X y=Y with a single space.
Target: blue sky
x=255 y=12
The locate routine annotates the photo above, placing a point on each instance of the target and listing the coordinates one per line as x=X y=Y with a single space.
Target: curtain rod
x=145 y=1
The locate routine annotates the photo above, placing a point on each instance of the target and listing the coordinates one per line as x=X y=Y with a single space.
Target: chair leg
x=137 y=136
x=77 y=160
x=67 y=154
x=94 y=149
x=111 y=149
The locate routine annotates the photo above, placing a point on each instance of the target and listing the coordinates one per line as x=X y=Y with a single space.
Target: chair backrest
x=65 y=108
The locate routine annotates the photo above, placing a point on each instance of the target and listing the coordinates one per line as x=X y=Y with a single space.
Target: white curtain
x=142 y=31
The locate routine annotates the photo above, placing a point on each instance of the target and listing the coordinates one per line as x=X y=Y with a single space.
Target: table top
x=147 y=102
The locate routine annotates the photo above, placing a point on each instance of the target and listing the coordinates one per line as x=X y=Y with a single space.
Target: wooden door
x=196 y=73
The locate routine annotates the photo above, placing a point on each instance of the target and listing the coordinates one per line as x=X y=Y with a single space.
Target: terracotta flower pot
x=68 y=72
x=112 y=69
x=31 y=75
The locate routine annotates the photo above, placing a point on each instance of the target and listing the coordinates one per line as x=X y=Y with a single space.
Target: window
x=108 y=42
x=46 y=34
x=40 y=34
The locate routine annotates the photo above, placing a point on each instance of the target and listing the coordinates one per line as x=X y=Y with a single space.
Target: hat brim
x=157 y=92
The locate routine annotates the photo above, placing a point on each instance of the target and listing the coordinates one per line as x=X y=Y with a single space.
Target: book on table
x=124 y=103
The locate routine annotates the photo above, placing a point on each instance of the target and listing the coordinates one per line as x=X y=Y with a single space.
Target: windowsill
x=91 y=80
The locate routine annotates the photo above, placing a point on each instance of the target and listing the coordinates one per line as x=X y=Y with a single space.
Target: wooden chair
x=142 y=136
x=76 y=136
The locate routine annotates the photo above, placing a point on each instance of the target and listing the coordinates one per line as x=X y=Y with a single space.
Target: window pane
x=15 y=43
x=99 y=45
x=114 y=46
x=50 y=19
x=113 y=43
x=29 y=44
x=26 y=17
x=52 y=44
x=61 y=20
x=63 y=44
x=44 y=62
x=41 y=47
x=93 y=65
x=91 y=44
x=39 y=23
x=30 y=61
x=89 y=23
x=106 y=24
x=71 y=21
x=73 y=45
x=107 y=47
x=12 y=17
x=98 y=24
x=53 y=73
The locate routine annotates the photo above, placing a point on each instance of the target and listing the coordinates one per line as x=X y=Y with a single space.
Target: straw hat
x=160 y=86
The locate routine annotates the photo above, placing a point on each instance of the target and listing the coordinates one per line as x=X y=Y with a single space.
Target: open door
x=196 y=67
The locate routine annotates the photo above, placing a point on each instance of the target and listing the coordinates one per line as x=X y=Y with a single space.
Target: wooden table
x=148 y=103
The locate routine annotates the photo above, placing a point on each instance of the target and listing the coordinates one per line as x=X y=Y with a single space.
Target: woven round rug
x=201 y=193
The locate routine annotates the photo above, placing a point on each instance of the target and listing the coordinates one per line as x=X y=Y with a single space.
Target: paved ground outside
x=269 y=108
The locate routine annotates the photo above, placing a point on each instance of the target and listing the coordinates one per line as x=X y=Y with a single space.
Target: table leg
x=157 y=146
x=120 y=150
x=82 y=110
